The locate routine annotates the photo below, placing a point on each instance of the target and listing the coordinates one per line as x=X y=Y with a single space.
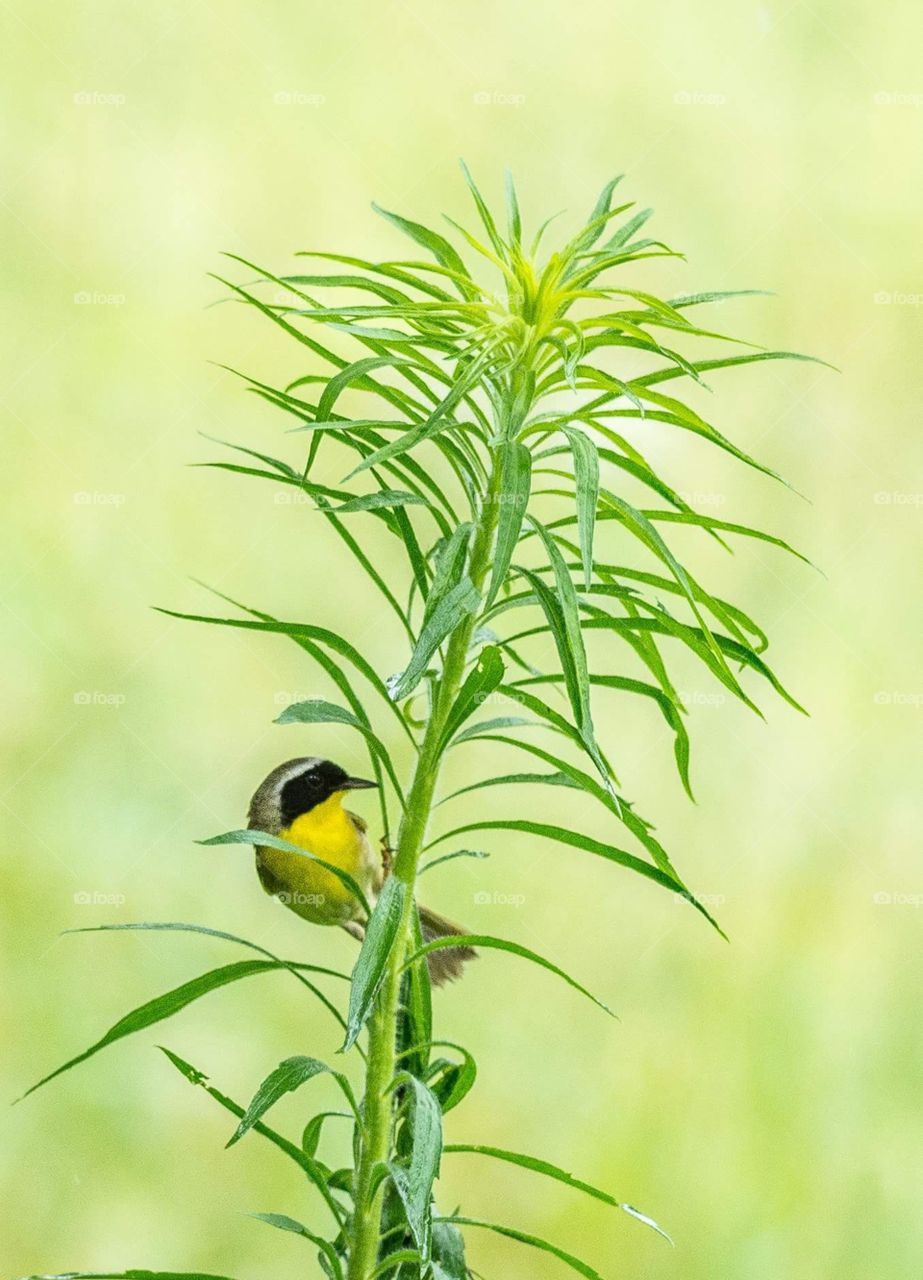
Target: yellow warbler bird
x=301 y=802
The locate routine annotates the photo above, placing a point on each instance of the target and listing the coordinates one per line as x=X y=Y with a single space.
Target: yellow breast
x=327 y=832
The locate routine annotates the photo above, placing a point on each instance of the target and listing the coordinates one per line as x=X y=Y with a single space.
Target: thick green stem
x=378 y=1105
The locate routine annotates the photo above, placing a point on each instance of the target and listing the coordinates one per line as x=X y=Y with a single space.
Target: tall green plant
x=494 y=420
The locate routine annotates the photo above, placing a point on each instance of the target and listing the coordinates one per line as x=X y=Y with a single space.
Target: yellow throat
x=328 y=831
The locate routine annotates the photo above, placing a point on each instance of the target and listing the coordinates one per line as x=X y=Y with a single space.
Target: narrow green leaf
x=297 y=631
x=554 y=617
x=283 y=1223
x=739 y=623
x=380 y=937
x=514 y=219
x=313 y=1130
x=295 y=969
x=437 y=245
x=550 y=1170
x=682 y=416
x=638 y=524
x=299 y=482
x=484 y=213
x=450 y=556
x=404 y=272
x=129 y=1275
x=282 y=467
x=449 y=857
x=158 y=926
x=287 y=1076
x=627 y=230
x=452 y=1081
x=575 y=777
x=457 y=603
x=664 y=624
x=498 y=722
x=562 y=611
x=482 y=940
x=383 y=498
x=513 y=498
x=557 y=779
x=161 y=1007
x=720 y=295
x=476 y=688
x=414 y=1181
x=579 y=841
x=726 y=526
x=448 y=1252
x=343 y=683
x=668 y=709
x=392 y=1261
x=498 y=259
x=586 y=469
x=415 y=1013
x=597 y=220
x=311 y=1167
x=352 y=373
x=536 y=1242
x=726 y=362
x=436 y=421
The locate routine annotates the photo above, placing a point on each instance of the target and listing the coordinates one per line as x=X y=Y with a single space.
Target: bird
x=301 y=802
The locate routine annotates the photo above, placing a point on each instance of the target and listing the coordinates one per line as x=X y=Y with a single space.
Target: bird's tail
x=445 y=965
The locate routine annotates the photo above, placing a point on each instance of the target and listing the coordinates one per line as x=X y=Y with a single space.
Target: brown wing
x=447 y=965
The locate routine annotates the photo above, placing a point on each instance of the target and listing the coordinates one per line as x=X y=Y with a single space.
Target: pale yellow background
x=761 y=1099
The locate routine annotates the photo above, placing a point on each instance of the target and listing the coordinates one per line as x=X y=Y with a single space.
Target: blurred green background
x=761 y=1099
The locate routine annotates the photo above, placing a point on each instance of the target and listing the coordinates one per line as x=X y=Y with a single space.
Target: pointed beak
x=357 y=784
